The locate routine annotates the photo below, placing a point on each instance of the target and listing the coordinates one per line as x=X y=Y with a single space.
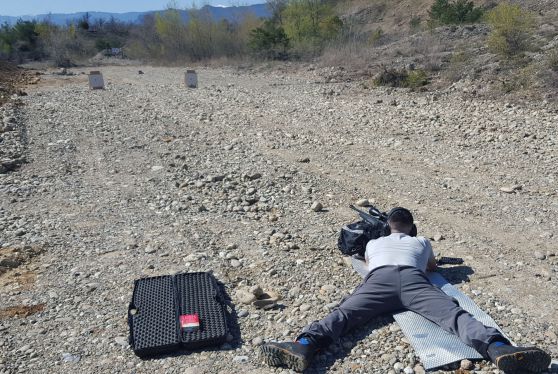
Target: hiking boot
x=519 y=360
x=294 y=355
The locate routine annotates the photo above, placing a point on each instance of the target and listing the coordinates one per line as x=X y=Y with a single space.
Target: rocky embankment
x=249 y=176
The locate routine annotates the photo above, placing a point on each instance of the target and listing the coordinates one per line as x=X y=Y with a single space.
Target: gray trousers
x=393 y=288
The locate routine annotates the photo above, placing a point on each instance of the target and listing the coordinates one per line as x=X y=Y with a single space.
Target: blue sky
x=33 y=7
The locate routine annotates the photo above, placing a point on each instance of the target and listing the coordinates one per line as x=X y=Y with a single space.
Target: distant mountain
x=218 y=13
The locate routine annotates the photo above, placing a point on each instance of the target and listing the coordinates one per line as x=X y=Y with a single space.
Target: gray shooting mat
x=434 y=346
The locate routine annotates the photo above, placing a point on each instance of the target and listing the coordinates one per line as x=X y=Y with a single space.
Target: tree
x=171 y=32
x=466 y=12
x=201 y=29
x=269 y=41
x=83 y=23
x=310 y=22
x=511 y=29
x=454 y=12
x=19 y=41
x=276 y=7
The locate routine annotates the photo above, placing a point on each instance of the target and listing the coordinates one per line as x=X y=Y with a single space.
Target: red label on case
x=189 y=322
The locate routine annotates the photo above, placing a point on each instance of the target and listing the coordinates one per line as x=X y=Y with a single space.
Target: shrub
x=269 y=41
x=391 y=78
x=415 y=22
x=309 y=24
x=19 y=42
x=401 y=78
x=416 y=78
x=458 y=65
x=549 y=74
x=102 y=44
x=552 y=61
x=376 y=36
x=521 y=79
x=66 y=47
x=454 y=12
x=511 y=29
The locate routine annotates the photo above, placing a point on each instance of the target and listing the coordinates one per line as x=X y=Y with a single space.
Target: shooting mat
x=434 y=346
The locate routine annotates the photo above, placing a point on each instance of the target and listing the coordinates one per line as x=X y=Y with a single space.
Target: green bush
x=102 y=44
x=309 y=24
x=402 y=78
x=511 y=29
x=269 y=41
x=454 y=12
x=416 y=78
x=19 y=41
x=391 y=78
x=521 y=79
x=415 y=22
x=376 y=36
x=552 y=61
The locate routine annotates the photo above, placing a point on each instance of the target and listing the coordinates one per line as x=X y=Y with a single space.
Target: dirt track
x=147 y=178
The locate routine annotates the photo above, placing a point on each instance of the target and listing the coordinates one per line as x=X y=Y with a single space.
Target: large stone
x=510 y=189
x=245 y=297
x=240 y=359
x=467 y=365
x=539 y=255
x=68 y=357
x=362 y=202
x=316 y=206
x=122 y=341
x=438 y=237
x=235 y=263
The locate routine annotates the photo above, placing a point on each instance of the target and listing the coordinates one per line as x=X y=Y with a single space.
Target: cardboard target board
x=96 y=81
x=191 y=79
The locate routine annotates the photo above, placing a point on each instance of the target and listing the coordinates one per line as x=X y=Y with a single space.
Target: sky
x=34 y=7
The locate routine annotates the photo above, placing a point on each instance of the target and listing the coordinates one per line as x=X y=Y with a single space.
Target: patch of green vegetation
x=269 y=41
x=376 y=36
x=416 y=78
x=512 y=28
x=445 y=12
x=521 y=80
x=415 y=23
x=402 y=78
x=552 y=61
x=309 y=24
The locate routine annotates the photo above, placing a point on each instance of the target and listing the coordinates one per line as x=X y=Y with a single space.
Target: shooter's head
x=400 y=220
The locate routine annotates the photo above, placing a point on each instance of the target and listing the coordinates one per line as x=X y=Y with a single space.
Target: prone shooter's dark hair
x=400 y=217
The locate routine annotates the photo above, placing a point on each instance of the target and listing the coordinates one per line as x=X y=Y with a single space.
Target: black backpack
x=354 y=236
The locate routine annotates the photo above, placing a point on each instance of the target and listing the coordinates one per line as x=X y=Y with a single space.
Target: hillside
x=394 y=16
x=396 y=35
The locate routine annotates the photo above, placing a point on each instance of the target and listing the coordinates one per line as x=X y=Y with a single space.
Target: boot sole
x=528 y=361
x=275 y=356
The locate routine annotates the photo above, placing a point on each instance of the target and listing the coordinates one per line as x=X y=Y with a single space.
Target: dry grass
x=430 y=51
x=21 y=311
x=352 y=54
x=13 y=273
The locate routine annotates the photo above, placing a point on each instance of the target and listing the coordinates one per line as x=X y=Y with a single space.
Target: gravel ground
x=148 y=178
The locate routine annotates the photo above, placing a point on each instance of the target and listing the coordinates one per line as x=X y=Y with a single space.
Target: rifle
x=376 y=217
x=371 y=217
x=449 y=261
